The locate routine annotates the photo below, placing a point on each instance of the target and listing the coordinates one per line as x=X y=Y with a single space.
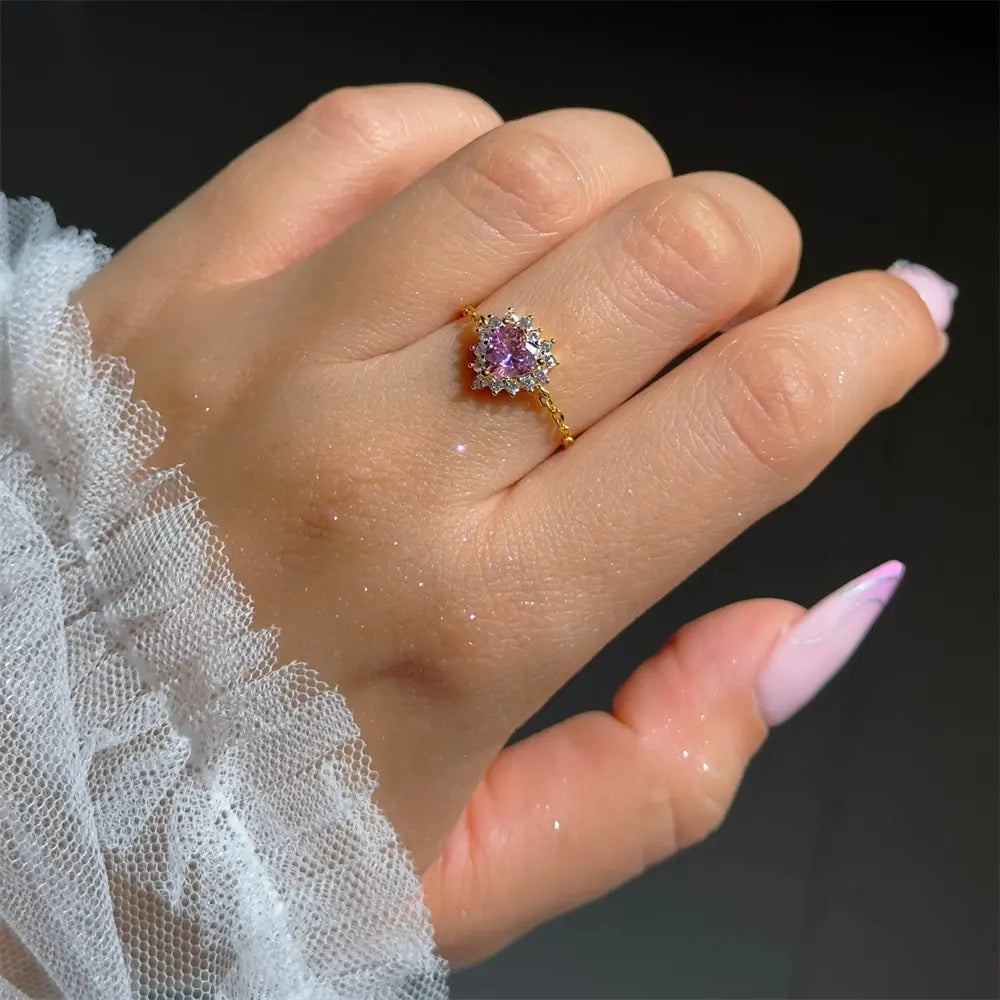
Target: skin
x=429 y=549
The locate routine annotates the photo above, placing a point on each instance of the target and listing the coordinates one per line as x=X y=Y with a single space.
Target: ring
x=511 y=354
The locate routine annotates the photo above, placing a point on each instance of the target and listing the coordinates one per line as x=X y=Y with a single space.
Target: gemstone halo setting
x=510 y=354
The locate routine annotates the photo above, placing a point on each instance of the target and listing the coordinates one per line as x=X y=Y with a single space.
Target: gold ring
x=510 y=354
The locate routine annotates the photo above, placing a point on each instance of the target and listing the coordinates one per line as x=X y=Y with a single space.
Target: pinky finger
x=577 y=809
x=293 y=191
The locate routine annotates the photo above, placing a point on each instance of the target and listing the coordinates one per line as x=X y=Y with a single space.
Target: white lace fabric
x=181 y=818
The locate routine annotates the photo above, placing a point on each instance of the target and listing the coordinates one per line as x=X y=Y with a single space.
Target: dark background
x=860 y=858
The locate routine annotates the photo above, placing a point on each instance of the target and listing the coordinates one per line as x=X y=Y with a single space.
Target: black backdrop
x=860 y=859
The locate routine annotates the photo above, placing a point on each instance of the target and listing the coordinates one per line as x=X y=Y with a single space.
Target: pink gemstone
x=508 y=353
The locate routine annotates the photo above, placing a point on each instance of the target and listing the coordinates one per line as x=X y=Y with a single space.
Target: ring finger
x=662 y=270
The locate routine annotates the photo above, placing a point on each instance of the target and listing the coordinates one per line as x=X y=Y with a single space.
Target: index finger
x=658 y=486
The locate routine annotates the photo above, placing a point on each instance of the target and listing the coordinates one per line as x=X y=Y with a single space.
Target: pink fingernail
x=807 y=656
x=938 y=295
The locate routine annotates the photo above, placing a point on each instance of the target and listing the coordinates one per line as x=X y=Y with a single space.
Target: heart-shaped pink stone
x=508 y=353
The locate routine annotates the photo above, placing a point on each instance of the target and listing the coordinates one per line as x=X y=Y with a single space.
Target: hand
x=429 y=548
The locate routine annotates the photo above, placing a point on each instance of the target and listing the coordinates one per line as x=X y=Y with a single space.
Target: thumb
x=575 y=810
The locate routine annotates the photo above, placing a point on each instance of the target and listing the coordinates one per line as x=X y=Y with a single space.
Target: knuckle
x=473 y=108
x=356 y=114
x=687 y=246
x=774 y=400
x=685 y=810
x=518 y=179
x=703 y=785
x=704 y=807
x=771 y=233
x=658 y=822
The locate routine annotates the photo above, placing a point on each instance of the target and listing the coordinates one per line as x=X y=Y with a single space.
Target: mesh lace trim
x=180 y=817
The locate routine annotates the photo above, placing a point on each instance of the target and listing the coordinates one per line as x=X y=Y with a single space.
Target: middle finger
x=466 y=227
x=620 y=299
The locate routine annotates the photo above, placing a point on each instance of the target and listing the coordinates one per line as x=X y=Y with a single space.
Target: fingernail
x=938 y=295
x=807 y=656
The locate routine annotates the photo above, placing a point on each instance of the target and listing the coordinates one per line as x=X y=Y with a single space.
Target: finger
x=302 y=185
x=654 y=275
x=654 y=489
x=575 y=810
x=469 y=226
x=344 y=155
x=572 y=812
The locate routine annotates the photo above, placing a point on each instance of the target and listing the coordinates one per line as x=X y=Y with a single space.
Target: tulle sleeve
x=181 y=818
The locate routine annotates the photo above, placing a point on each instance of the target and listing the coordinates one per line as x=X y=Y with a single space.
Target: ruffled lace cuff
x=179 y=816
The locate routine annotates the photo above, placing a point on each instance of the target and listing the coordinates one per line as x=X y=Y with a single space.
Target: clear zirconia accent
x=510 y=354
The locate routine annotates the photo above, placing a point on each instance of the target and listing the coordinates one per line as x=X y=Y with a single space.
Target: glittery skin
x=938 y=295
x=808 y=655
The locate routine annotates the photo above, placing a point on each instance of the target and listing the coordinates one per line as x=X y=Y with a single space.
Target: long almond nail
x=807 y=656
x=938 y=294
